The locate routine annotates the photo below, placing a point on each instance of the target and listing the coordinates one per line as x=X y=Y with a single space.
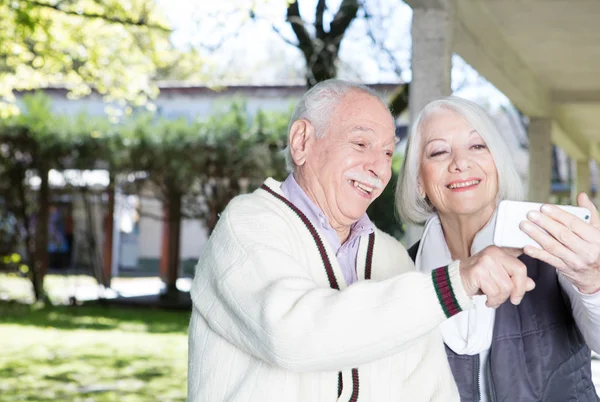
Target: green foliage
x=383 y=210
x=195 y=167
x=118 y=47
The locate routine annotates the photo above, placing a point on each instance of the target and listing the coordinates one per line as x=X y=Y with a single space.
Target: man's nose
x=378 y=164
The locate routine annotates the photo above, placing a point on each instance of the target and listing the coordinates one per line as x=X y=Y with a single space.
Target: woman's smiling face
x=457 y=171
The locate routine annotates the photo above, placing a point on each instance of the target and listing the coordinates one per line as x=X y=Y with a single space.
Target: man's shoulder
x=256 y=209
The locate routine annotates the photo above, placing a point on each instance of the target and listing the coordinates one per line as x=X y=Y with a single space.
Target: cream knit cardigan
x=267 y=326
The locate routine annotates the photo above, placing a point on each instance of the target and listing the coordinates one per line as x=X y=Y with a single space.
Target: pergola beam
x=479 y=41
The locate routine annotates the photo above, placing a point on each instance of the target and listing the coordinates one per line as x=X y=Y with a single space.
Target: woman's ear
x=420 y=189
x=301 y=138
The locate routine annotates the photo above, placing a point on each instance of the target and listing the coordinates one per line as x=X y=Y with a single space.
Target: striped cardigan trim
x=445 y=292
x=355 y=385
x=328 y=268
x=331 y=277
x=370 y=247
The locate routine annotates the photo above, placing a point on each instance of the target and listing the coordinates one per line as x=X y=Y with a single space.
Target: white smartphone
x=510 y=215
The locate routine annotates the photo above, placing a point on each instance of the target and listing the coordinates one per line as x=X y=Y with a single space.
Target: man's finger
x=489 y=287
x=514 y=252
x=529 y=284
x=518 y=275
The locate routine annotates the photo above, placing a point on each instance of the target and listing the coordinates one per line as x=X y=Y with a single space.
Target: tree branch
x=320 y=10
x=392 y=59
x=282 y=36
x=304 y=41
x=342 y=20
x=141 y=22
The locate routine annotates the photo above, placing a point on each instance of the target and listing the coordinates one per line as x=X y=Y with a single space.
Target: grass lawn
x=92 y=353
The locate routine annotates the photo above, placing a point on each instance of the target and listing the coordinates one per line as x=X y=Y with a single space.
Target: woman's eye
x=436 y=153
x=479 y=146
x=360 y=144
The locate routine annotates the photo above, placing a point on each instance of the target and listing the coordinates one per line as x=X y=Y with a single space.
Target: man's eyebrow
x=361 y=129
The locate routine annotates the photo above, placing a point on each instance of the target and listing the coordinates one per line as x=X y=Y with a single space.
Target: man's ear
x=302 y=135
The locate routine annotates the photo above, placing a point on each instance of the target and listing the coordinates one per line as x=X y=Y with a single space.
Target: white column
x=582 y=180
x=540 y=158
x=432 y=34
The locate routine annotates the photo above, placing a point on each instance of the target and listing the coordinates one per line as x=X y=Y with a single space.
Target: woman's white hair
x=318 y=104
x=410 y=205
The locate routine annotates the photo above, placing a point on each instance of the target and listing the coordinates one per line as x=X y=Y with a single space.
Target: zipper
x=477 y=366
x=491 y=388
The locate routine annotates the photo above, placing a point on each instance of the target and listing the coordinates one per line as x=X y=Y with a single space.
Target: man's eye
x=360 y=144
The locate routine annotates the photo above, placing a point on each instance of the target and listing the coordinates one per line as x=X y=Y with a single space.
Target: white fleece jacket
x=267 y=326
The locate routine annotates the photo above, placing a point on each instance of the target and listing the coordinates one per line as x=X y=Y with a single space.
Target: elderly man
x=298 y=297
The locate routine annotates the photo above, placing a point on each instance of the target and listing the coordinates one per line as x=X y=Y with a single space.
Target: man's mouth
x=361 y=187
x=463 y=184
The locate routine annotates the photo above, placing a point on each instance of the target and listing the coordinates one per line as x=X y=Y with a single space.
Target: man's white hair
x=318 y=104
x=410 y=205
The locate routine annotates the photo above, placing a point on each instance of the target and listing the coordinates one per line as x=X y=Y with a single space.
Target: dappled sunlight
x=92 y=353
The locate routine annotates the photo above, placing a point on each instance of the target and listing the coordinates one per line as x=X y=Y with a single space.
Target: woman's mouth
x=460 y=185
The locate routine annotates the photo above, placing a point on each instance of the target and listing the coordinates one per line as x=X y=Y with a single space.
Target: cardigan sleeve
x=252 y=292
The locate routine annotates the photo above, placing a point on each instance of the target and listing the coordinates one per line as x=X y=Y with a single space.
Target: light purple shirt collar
x=346 y=253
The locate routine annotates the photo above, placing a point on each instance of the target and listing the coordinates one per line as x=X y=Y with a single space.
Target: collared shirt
x=345 y=253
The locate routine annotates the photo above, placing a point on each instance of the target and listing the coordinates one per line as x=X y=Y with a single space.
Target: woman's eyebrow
x=434 y=139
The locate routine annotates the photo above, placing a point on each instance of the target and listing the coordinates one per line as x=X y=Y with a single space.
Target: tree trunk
x=321 y=50
x=321 y=66
x=40 y=262
x=108 y=234
x=91 y=245
x=22 y=211
x=399 y=101
x=170 y=256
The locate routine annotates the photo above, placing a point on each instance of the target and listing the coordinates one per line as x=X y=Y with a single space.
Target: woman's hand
x=571 y=245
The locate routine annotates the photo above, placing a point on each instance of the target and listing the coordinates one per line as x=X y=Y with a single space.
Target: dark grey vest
x=537 y=353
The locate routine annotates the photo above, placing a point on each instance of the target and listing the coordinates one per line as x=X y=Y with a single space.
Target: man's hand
x=570 y=245
x=498 y=274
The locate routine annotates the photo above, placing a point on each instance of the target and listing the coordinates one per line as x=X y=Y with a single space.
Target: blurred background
x=126 y=126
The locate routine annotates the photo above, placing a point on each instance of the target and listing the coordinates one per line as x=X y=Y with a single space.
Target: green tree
x=193 y=167
x=383 y=210
x=34 y=142
x=117 y=47
x=196 y=168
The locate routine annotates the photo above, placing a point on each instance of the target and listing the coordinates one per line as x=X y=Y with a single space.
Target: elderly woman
x=457 y=168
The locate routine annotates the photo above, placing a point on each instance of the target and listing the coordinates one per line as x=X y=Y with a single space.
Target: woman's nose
x=460 y=162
